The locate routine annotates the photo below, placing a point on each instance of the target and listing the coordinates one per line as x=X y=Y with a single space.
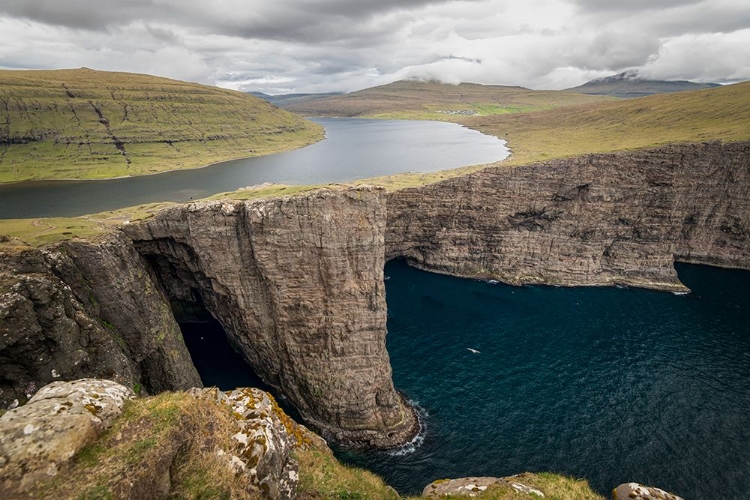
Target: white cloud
x=335 y=45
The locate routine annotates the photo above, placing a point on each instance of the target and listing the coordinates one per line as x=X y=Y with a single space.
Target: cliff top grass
x=16 y=234
x=85 y=124
x=419 y=100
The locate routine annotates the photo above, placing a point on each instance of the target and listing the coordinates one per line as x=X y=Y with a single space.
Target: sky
x=287 y=46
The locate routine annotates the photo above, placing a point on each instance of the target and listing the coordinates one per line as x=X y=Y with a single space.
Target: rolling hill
x=629 y=85
x=413 y=99
x=85 y=124
x=699 y=115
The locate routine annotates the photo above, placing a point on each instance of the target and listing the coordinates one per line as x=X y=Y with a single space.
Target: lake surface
x=353 y=149
x=612 y=385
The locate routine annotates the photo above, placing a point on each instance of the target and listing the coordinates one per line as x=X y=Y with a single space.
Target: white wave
x=416 y=442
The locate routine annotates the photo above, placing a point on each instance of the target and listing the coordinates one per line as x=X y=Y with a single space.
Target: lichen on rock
x=38 y=438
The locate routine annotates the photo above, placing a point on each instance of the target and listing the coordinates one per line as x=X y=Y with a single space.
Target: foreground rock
x=528 y=485
x=42 y=436
x=203 y=444
x=474 y=486
x=635 y=491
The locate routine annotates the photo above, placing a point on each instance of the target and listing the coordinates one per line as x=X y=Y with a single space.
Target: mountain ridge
x=630 y=84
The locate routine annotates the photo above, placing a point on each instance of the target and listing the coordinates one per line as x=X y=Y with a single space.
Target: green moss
x=98 y=492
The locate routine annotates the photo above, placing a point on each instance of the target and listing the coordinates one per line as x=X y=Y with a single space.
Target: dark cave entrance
x=218 y=363
x=216 y=359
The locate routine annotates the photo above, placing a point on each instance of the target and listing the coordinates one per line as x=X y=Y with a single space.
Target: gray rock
x=635 y=491
x=473 y=486
x=264 y=439
x=38 y=438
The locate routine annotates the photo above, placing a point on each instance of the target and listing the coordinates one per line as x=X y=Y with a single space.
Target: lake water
x=353 y=149
x=612 y=385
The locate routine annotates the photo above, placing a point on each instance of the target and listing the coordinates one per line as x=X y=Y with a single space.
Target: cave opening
x=217 y=360
x=218 y=363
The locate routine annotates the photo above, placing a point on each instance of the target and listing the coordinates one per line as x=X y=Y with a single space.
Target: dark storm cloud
x=335 y=45
x=302 y=20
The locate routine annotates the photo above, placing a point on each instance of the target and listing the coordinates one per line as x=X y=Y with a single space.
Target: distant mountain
x=630 y=84
x=432 y=100
x=283 y=99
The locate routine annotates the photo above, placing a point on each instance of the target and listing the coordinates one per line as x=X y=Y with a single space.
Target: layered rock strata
x=297 y=283
x=86 y=309
x=603 y=219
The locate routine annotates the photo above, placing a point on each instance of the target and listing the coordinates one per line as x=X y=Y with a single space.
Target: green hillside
x=411 y=99
x=85 y=124
x=699 y=115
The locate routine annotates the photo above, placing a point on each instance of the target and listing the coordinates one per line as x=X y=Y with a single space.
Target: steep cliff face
x=602 y=219
x=297 y=284
x=86 y=310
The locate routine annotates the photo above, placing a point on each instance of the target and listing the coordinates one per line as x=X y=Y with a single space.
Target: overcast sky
x=281 y=46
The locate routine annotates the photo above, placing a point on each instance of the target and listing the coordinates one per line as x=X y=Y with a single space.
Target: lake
x=353 y=149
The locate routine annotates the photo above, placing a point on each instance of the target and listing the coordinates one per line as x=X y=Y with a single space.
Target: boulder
x=38 y=438
x=635 y=491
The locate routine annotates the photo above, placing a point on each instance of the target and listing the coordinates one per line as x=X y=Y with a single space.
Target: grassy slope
x=719 y=113
x=150 y=428
x=85 y=124
x=409 y=99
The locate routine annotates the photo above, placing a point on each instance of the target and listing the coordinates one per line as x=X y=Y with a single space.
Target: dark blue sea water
x=612 y=385
x=353 y=149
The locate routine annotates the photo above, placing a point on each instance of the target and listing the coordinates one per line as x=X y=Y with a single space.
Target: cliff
x=86 y=309
x=604 y=219
x=297 y=281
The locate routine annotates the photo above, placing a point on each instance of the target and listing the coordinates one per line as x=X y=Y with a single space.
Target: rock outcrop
x=40 y=437
x=635 y=491
x=474 y=486
x=602 y=219
x=297 y=283
x=238 y=443
x=86 y=309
